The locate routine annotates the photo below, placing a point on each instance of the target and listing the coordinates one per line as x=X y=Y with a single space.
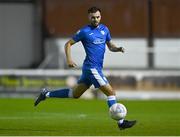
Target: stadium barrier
x=142 y=84
x=166 y=54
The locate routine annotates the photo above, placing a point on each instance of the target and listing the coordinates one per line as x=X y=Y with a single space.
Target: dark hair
x=93 y=10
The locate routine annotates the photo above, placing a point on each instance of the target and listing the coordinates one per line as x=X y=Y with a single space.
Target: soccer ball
x=117 y=111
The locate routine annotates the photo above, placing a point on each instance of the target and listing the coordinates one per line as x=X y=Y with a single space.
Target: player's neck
x=92 y=26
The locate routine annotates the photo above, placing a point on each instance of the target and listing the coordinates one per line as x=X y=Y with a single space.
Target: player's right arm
x=76 y=38
x=69 y=60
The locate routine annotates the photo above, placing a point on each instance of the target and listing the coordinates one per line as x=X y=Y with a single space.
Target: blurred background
x=33 y=34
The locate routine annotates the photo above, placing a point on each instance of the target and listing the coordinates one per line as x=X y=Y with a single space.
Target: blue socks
x=111 y=100
x=60 y=93
x=67 y=93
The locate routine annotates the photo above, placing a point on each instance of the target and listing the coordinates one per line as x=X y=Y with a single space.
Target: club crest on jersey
x=102 y=32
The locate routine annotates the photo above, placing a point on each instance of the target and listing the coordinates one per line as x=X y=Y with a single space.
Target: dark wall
x=166 y=18
x=125 y=18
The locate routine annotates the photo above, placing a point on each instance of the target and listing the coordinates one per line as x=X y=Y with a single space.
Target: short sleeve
x=78 y=36
x=108 y=36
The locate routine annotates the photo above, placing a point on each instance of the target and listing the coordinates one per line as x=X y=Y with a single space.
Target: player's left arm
x=112 y=47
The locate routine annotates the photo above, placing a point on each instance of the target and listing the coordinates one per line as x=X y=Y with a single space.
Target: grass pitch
x=69 y=117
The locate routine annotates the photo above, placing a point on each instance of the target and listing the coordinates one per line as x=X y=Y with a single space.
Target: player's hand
x=71 y=64
x=121 y=49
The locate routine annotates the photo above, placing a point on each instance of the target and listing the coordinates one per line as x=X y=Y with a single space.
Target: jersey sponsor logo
x=99 y=41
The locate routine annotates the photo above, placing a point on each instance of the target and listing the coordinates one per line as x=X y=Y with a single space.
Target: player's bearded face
x=95 y=18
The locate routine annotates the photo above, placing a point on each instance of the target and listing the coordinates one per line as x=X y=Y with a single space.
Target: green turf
x=86 y=117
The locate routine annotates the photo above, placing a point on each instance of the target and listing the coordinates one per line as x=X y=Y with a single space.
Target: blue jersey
x=94 y=41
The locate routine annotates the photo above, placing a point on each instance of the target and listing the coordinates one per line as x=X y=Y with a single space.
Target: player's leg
x=110 y=93
x=83 y=85
x=99 y=81
x=79 y=89
x=111 y=99
x=58 y=93
x=75 y=92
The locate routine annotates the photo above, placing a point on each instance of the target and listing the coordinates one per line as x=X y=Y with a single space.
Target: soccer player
x=94 y=38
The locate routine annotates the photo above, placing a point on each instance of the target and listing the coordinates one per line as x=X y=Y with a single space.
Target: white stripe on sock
x=70 y=94
x=111 y=98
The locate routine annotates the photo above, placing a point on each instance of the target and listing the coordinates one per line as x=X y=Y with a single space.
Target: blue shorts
x=93 y=76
